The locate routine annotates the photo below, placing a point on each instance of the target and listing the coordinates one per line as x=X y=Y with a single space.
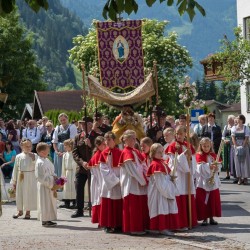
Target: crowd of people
x=148 y=178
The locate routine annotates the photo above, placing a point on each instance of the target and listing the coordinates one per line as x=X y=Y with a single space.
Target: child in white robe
x=162 y=190
x=168 y=135
x=133 y=187
x=69 y=171
x=24 y=180
x=185 y=172
x=44 y=171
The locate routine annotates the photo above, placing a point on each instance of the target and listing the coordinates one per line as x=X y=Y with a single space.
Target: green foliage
x=54 y=113
x=7 y=6
x=172 y=59
x=113 y=8
x=235 y=58
x=19 y=74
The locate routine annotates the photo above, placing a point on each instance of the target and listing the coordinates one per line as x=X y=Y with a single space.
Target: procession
x=137 y=154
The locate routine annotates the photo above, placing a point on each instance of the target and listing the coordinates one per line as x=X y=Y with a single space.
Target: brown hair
x=153 y=149
x=98 y=141
x=41 y=146
x=109 y=135
x=194 y=140
x=180 y=128
x=148 y=141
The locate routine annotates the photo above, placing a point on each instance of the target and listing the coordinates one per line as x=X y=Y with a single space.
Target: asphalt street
x=233 y=231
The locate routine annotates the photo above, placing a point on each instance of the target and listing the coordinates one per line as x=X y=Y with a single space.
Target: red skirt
x=135 y=213
x=213 y=206
x=96 y=214
x=111 y=213
x=183 y=212
x=165 y=222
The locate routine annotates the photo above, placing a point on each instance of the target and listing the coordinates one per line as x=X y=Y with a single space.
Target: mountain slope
x=201 y=37
x=53 y=32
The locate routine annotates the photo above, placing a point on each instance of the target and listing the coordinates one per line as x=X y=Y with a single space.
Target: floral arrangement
x=188 y=95
x=61 y=181
x=12 y=192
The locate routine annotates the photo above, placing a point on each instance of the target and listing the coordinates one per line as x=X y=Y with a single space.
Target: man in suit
x=212 y=131
x=81 y=154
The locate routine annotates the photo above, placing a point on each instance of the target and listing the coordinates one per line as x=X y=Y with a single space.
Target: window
x=247 y=28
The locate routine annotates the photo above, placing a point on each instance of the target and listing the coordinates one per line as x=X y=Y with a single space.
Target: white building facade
x=243 y=20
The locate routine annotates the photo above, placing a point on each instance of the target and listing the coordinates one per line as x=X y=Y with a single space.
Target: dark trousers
x=80 y=184
x=7 y=171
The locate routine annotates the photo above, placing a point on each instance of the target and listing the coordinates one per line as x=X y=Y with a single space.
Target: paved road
x=233 y=231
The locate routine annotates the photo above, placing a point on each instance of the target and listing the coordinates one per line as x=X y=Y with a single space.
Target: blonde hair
x=127 y=134
x=49 y=124
x=41 y=146
x=154 y=148
x=69 y=142
x=168 y=131
x=200 y=117
x=202 y=142
x=146 y=140
x=25 y=141
x=180 y=128
x=63 y=115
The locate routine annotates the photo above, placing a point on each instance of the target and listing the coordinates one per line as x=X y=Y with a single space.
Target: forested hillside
x=201 y=37
x=53 y=32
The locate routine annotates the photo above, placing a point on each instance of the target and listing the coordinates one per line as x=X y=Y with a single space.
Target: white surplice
x=96 y=185
x=69 y=171
x=161 y=195
x=132 y=178
x=111 y=180
x=44 y=171
x=26 y=186
x=182 y=171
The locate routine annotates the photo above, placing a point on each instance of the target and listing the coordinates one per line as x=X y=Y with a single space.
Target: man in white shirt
x=32 y=133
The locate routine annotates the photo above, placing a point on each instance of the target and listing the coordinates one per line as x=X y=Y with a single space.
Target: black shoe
x=226 y=178
x=235 y=181
x=64 y=206
x=213 y=222
x=109 y=230
x=204 y=223
x=49 y=224
x=77 y=214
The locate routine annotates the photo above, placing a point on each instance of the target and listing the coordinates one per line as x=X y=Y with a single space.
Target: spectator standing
x=47 y=138
x=228 y=150
x=240 y=138
x=198 y=127
x=62 y=132
x=32 y=133
x=42 y=127
x=212 y=131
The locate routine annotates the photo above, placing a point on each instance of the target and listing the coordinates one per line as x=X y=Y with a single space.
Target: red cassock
x=182 y=183
x=96 y=181
x=134 y=191
x=162 y=204
x=111 y=199
x=208 y=201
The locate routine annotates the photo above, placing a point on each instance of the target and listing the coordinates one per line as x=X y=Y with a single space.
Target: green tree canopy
x=19 y=75
x=114 y=7
x=173 y=60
